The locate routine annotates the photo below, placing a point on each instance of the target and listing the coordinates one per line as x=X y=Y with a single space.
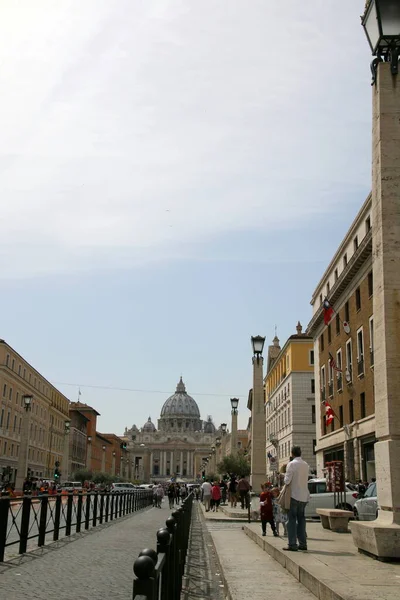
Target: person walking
x=233 y=491
x=171 y=495
x=267 y=511
x=244 y=489
x=159 y=495
x=279 y=515
x=216 y=496
x=206 y=489
x=297 y=475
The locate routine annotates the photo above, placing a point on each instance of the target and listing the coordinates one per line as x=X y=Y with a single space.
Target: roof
x=84 y=407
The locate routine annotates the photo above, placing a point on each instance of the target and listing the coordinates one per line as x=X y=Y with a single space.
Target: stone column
x=89 y=454
x=151 y=464
x=181 y=464
x=258 y=427
x=65 y=457
x=234 y=427
x=381 y=537
x=171 y=464
x=356 y=453
x=103 y=460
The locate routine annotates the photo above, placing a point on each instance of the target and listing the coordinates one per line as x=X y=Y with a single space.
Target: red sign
x=335 y=476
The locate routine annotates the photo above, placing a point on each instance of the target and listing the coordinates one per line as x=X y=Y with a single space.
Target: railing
x=33 y=518
x=159 y=574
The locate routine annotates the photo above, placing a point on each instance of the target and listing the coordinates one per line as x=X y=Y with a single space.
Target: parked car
x=366 y=508
x=71 y=486
x=321 y=498
x=121 y=488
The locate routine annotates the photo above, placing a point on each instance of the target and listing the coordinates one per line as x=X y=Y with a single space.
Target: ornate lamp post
x=258 y=425
x=22 y=467
x=381 y=22
x=234 y=413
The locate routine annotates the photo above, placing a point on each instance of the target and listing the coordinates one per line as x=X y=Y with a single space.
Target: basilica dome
x=149 y=426
x=180 y=404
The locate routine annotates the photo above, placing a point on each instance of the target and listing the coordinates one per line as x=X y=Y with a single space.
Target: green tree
x=82 y=475
x=102 y=478
x=234 y=463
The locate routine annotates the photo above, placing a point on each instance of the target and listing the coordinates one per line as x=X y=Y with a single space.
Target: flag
x=329 y=414
x=333 y=364
x=328 y=311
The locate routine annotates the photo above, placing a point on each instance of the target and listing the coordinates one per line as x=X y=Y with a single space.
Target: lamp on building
x=113 y=463
x=234 y=424
x=257 y=407
x=223 y=428
x=381 y=22
x=22 y=467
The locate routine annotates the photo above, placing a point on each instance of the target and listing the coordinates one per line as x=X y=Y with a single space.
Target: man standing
x=297 y=475
x=244 y=489
x=206 y=489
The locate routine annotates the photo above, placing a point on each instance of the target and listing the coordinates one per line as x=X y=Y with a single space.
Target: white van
x=71 y=486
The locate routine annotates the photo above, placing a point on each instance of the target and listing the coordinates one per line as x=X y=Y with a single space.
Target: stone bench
x=335 y=519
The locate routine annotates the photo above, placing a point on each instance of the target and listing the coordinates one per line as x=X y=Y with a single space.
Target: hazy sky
x=175 y=176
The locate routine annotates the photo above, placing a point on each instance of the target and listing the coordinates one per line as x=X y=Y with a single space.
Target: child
x=266 y=510
x=279 y=515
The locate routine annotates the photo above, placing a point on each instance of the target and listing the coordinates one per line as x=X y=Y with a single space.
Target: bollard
x=24 y=532
x=101 y=507
x=112 y=506
x=79 y=512
x=57 y=516
x=68 y=524
x=95 y=501
x=4 y=511
x=107 y=506
x=171 y=526
x=164 y=546
x=143 y=567
x=87 y=510
x=43 y=519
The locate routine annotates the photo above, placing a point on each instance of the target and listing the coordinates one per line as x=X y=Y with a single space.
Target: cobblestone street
x=94 y=564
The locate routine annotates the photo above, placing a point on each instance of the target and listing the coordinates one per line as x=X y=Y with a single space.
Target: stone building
x=349 y=339
x=49 y=412
x=177 y=446
x=290 y=401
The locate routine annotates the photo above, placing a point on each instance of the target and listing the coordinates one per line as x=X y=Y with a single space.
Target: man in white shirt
x=206 y=489
x=297 y=475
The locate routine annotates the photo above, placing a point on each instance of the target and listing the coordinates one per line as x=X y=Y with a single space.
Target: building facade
x=346 y=383
x=290 y=402
x=178 y=447
x=47 y=416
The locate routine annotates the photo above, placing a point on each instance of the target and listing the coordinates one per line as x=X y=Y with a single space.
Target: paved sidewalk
x=96 y=564
x=332 y=567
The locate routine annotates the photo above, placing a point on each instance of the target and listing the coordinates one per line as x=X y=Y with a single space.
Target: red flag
x=328 y=311
x=329 y=414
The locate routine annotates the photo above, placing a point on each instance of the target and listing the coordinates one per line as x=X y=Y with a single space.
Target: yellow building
x=290 y=401
x=49 y=411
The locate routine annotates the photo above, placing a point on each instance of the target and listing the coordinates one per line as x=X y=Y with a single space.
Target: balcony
x=360 y=367
x=330 y=389
x=339 y=383
x=371 y=357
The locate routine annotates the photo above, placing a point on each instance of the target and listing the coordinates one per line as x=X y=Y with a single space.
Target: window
x=329 y=334
x=323 y=381
x=349 y=358
x=320 y=299
x=355 y=243
x=15 y=424
x=358 y=299
x=313 y=386
x=17 y=398
x=330 y=373
x=362 y=405
x=371 y=340
x=10 y=394
x=313 y=413
x=341 y=416
x=321 y=342
x=328 y=288
x=8 y=420
x=5 y=390
x=323 y=425
x=360 y=345
x=336 y=275
x=347 y=312
x=311 y=357
x=337 y=323
x=345 y=261
x=339 y=361
x=24 y=373
x=19 y=370
x=314 y=445
x=370 y=284
x=13 y=364
x=351 y=411
x=2 y=417
x=367 y=224
x=7 y=360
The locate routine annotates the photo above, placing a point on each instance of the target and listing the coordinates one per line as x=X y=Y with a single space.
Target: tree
x=103 y=478
x=82 y=475
x=234 y=463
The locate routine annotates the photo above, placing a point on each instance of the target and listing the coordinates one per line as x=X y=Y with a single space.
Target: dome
x=149 y=427
x=209 y=426
x=180 y=404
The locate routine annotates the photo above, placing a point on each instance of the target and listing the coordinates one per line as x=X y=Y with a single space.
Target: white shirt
x=206 y=487
x=297 y=475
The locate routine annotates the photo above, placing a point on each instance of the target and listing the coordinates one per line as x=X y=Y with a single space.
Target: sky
x=175 y=176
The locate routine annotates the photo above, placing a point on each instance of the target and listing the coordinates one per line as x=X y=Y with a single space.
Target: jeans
x=244 y=498
x=296 y=525
x=264 y=525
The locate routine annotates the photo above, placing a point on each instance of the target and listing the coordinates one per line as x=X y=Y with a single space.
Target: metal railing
x=159 y=574
x=27 y=521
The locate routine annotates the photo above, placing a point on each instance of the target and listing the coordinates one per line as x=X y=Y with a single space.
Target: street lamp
x=381 y=22
x=22 y=467
x=103 y=460
x=257 y=408
x=65 y=458
x=234 y=426
x=223 y=428
x=89 y=452
x=234 y=404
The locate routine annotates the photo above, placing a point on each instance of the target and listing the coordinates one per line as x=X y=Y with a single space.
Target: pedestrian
x=159 y=495
x=216 y=496
x=244 y=489
x=171 y=495
x=177 y=493
x=207 y=489
x=297 y=475
x=197 y=492
x=267 y=510
x=279 y=515
x=233 y=490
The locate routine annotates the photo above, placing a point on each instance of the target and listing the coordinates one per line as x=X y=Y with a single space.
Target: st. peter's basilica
x=179 y=444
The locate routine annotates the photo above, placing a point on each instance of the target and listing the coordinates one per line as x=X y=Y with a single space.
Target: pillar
x=181 y=464
x=356 y=453
x=103 y=460
x=88 y=454
x=381 y=537
x=65 y=458
x=22 y=467
x=151 y=464
x=234 y=427
x=171 y=464
x=258 y=427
